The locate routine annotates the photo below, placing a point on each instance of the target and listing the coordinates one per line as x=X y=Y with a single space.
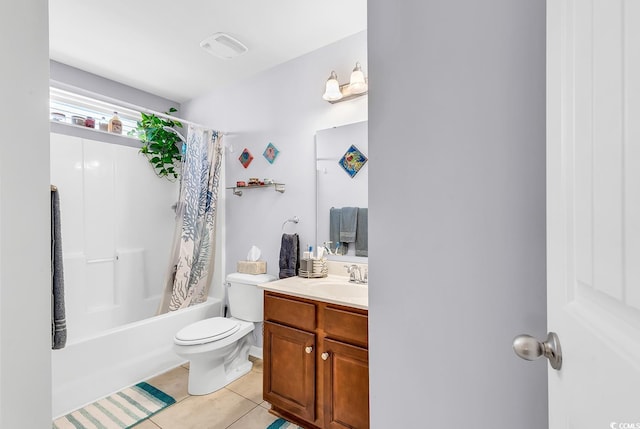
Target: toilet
x=218 y=348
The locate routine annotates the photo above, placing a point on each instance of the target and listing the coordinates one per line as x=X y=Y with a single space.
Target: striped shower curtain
x=193 y=254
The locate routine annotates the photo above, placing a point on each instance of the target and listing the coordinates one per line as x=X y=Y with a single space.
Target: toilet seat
x=207 y=331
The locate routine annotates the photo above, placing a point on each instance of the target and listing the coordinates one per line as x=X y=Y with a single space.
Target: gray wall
x=457 y=212
x=284 y=106
x=25 y=282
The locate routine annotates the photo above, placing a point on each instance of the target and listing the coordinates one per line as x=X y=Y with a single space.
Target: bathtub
x=97 y=366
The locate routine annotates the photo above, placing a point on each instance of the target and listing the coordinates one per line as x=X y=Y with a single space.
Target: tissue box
x=252 y=267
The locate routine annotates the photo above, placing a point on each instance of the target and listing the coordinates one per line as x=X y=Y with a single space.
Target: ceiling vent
x=223 y=46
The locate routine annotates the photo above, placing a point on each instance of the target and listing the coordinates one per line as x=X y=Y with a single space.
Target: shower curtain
x=193 y=253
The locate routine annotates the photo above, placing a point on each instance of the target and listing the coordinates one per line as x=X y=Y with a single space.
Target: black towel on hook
x=289 y=255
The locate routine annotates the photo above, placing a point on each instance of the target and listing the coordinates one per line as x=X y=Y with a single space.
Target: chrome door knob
x=529 y=348
x=308 y=349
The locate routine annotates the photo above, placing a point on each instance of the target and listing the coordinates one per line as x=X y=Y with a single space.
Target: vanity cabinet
x=316 y=363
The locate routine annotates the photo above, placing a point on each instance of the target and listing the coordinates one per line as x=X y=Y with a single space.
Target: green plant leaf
x=161 y=147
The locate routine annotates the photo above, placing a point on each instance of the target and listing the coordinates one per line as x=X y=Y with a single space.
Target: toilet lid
x=208 y=330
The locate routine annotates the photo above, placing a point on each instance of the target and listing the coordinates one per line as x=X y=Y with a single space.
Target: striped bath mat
x=120 y=410
x=283 y=424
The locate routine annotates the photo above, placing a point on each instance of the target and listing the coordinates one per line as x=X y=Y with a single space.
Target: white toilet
x=218 y=348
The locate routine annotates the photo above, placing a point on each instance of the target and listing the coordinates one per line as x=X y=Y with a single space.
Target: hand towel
x=289 y=255
x=58 y=317
x=348 y=224
x=362 y=233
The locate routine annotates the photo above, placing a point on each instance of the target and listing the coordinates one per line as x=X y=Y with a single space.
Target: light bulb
x=332 y=88
x=357 y=83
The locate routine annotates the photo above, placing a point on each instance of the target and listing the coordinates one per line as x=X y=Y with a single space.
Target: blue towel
x=362 y=233
x=289 y=255
x=348 y=224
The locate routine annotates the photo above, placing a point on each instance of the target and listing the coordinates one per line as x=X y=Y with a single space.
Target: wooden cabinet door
x=290 y=370
x=346 y=385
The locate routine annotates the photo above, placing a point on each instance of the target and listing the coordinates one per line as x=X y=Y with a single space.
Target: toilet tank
x=245 y=298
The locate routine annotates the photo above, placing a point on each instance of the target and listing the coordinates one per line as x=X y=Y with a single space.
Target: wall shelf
x=278 y=187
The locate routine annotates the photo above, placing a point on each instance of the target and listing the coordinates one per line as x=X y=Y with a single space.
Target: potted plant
x=160 y=144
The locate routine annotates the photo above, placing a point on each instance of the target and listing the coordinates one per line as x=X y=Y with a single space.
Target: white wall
x=117 y=226
x=456 y=212
x=284 y=106
x=25 y=285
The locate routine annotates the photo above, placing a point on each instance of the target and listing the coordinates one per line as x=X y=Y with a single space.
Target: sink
x=333 y=289
x=339 y=288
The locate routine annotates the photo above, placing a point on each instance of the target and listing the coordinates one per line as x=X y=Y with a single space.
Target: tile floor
x=237 y=406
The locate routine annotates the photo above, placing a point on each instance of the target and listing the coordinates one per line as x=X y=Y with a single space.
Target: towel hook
x=294 y=219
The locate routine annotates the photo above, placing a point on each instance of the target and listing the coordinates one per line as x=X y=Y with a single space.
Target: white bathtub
x=97 y=366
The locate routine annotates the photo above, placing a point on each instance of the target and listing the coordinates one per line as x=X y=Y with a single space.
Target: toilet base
x=209 y=372
x=215 y=379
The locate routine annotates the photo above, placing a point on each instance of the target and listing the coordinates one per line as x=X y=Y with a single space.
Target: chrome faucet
x=351 y=270
x=356 y=275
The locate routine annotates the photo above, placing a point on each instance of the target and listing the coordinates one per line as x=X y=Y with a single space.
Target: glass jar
x=104 y=124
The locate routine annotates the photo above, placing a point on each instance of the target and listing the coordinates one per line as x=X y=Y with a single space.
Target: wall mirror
x=343 y=184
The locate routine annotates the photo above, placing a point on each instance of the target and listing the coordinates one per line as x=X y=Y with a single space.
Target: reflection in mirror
x=342 y=188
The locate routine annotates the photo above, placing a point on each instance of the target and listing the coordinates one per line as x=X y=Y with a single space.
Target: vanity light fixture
x=357 y=86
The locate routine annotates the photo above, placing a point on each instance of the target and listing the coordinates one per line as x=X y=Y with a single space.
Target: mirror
x=339 y=187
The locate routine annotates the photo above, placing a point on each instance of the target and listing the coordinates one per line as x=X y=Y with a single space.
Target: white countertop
x=333 y=289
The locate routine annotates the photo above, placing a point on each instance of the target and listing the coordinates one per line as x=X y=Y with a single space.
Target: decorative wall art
x=271 y=153
x=353 y=161
x=245 y=158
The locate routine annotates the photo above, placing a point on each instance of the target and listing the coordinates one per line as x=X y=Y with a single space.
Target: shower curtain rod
x=102 y=97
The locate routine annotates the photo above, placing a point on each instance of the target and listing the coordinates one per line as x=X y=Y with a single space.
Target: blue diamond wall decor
x=271 y=153
x=353 y=161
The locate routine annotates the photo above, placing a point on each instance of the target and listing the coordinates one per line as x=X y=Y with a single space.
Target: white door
x=593 y=211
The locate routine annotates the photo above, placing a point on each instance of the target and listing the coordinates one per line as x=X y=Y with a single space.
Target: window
x=70 y=104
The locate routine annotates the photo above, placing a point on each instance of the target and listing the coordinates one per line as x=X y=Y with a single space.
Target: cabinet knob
x=308 y=349
x=324 y=356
